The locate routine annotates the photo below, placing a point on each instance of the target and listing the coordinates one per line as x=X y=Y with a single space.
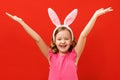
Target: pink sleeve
x=73 y=54
x=50 y=53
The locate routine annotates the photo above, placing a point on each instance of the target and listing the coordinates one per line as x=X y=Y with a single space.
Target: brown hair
x=54 y=47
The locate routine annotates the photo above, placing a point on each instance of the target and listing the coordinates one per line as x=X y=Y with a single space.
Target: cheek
x=56 y=42
x=69 y=43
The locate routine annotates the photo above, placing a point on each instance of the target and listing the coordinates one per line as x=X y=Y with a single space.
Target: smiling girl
x=64 y=53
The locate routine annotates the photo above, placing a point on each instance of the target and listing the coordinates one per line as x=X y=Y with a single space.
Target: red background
x=20 y=58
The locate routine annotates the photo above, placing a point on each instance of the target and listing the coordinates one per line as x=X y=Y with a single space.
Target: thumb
x=8 y=14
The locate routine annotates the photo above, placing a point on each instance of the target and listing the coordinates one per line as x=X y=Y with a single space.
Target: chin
x=63 y=51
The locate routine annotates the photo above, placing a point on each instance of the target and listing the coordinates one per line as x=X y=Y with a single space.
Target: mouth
x=63 y=46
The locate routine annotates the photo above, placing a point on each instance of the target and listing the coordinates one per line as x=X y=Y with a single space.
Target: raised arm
x=82 y=38
x=39 y=41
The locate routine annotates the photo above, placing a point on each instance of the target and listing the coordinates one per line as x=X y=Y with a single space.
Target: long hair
x=53 y=45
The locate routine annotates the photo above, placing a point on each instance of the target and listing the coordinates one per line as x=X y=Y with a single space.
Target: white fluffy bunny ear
x=70 y=17
x=53 y=16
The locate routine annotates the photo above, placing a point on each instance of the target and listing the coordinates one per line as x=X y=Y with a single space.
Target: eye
x=59 y=39
x=67 y=39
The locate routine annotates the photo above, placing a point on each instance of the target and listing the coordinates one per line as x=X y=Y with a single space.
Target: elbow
x=37 y=40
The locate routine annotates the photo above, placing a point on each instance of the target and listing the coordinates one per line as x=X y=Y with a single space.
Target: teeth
x=63 y=46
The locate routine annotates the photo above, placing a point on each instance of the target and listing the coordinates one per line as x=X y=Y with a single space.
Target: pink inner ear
x=71 y=17
x=53 y=16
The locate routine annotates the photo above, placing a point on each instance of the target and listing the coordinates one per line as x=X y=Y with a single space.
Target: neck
x=63 y=53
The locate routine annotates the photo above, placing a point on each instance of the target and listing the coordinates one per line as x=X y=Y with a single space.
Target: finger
x=109 y=9
x=101 y=9
x=9 y=15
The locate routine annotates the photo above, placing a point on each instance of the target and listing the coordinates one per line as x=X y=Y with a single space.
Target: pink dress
x=62 y=67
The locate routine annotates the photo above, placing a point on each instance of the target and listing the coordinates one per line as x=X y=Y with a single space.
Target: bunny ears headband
x=67 y=21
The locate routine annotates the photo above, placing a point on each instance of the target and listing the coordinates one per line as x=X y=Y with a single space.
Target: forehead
x=63 y=33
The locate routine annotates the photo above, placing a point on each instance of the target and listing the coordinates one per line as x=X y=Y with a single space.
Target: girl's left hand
x=102 y=11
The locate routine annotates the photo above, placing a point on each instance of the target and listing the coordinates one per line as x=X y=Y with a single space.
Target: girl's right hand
x=14 y=17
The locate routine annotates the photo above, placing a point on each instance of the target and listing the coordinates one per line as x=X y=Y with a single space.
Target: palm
x=103 y=11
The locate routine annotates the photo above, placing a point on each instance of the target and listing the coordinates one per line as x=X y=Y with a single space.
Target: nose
x=63 y=41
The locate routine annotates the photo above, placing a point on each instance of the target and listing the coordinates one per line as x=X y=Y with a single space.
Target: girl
x=64 y=53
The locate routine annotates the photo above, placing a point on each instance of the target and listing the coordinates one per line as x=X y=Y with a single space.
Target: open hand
x=102 y=11
x=14 y=17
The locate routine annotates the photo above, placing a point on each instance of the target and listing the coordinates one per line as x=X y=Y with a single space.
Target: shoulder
x=50 y=52
x=73 y=54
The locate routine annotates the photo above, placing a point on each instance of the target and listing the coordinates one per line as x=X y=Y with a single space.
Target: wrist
x=20 y=21
x=95 y=16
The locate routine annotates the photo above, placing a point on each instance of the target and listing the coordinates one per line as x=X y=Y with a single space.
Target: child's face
x=63 y=41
